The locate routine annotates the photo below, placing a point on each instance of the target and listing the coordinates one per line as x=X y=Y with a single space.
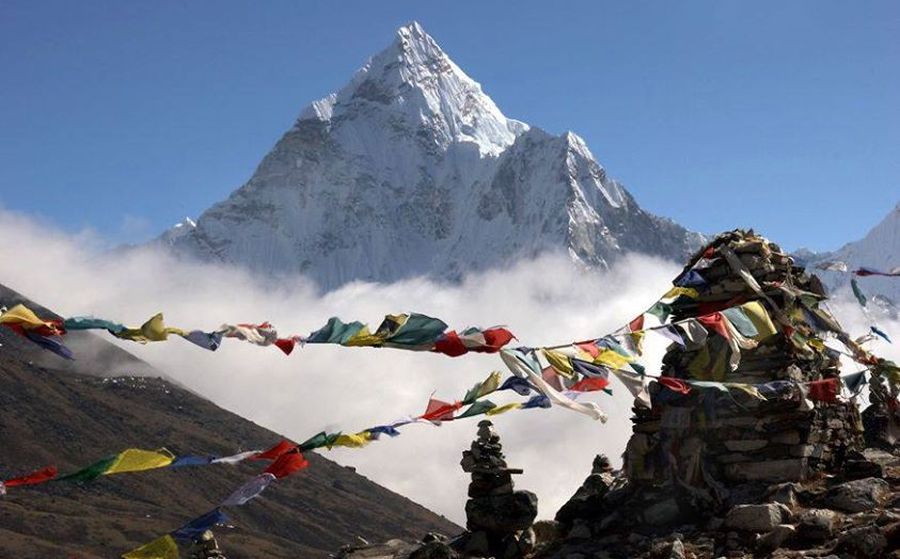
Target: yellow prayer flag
x=677 y=292
x=490 y=384
x=503 y=409
x=559 y=361
x=355 y=440
x=364 y=338
x=757 y=314
x=138 y=460
x=154 y=330
x=160 y=548
x=746 y=388
x=612 y=359
x=22 y=315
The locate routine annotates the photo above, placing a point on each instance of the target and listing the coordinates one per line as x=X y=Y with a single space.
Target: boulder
x=775 y=538
x=817 y=525
x=755 y=518
x=864 y=541
x=858 y=495
x=588 y=500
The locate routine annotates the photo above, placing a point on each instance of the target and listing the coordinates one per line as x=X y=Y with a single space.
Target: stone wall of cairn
x=706 y=441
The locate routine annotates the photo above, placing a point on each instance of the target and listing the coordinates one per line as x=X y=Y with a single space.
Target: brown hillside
x=51 y=414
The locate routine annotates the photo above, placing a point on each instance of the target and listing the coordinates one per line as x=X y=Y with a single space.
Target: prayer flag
x=477 y=408
x=559 y=361
x=90 y=323
x=503 y=409
x=24 y=317
x=356 y=440
x=857 y=292
x=160 y=548
x=674 y=384
x=590 y=384
x=519 y=385
x=138 y=460
x=192 y=531
x=276 y=451
x=855 y=382
x=438 y=410
x=691 y=278
x=880 y=333
x=249 y=490
x=287 y=464
x=34 y=478
x=50 y=344
x=206 y=340
x=91 y=472
x=825 y=390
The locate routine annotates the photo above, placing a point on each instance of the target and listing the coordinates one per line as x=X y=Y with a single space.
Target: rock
x=817 y=525
x=662 y=513
x=775 y=538
x=864 y=541
x=546 y=531
x=587 y=502
x=755 y=518
x=746 y=445
x=769 y=470
x=580 y=531
x=434 y=550
x=502 y=513
x=677 y=550
x=858 y=495
x=785 y=493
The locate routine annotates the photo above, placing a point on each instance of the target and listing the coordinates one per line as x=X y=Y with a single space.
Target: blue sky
x=124 y=117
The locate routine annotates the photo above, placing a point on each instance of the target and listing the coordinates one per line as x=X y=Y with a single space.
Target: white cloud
x=544 y=301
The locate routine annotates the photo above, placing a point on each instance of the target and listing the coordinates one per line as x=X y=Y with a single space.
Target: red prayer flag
x=438 y=410
x=276 y=451
x=716 y=323
x=495 y=339
x=824 y=390
x=285 y=344
x=287 y=464
x=637 y=323
x=450 y=344
x=590 y=348
x=674 y=384
x=590 y=384
x=33 y=478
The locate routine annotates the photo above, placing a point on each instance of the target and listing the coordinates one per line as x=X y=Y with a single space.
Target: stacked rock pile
x=759 y=425
x=498 y=518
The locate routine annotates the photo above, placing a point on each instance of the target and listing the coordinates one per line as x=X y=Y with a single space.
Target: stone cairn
x=498 y=518
x=206 y=547
x=687 y=452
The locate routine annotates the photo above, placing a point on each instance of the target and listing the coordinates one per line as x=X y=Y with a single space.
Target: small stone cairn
x=498 y=518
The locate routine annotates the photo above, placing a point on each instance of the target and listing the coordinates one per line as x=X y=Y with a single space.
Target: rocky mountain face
x=411 y=169
x=880 y=249
x=52 y=414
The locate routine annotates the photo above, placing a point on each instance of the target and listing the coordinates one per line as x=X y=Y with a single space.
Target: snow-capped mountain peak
x=419 y=82
x=411 y=169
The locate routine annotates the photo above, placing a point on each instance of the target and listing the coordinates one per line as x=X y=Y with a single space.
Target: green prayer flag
x=660 y=310
x=477 y=408
x=741 y=321
x=418 y=330
x=92 y=472
x=860 y=296
x=335 y=332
